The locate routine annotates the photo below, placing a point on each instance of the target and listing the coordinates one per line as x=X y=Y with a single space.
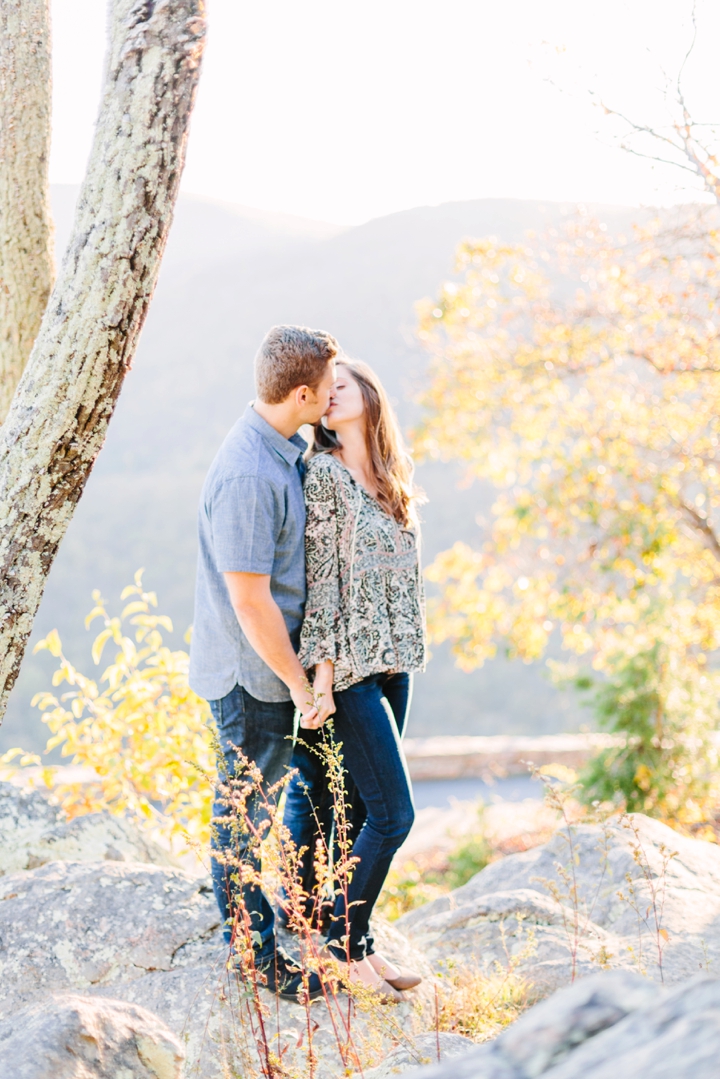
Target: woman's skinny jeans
x=369 y=720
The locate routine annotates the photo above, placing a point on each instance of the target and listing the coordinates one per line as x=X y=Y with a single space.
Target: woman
x=362 y=638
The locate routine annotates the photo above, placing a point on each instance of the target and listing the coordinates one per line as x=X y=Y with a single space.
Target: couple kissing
x=309 y=603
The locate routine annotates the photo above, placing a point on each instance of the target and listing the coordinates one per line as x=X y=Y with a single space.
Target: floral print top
x=365 y=605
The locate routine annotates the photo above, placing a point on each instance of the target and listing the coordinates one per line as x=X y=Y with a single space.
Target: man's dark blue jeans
x=369 y=721
x=263 y=731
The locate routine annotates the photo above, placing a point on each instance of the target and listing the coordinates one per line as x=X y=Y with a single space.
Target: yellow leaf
x=51 y=643
x=664 y=934
x=43 y=701
x=133 y=608
x=11 y=754
x=94 y=613
x=99 y=643
x=48 y=775
x=29 y=758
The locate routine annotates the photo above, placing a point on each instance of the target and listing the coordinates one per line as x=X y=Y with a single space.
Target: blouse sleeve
x=324 y=634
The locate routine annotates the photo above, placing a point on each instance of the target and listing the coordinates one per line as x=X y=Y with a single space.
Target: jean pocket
x=267 y=719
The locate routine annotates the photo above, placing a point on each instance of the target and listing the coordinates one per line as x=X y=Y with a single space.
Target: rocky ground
x=90 y=907
x=111 y=960
x=633 y=895
x=609 y=1025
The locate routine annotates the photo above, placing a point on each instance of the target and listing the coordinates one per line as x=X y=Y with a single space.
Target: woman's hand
x=323 y=696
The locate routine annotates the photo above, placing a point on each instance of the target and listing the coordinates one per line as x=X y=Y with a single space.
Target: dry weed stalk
x=649 y=908
x=560 y=787
x=259 y=838
x=656 y=885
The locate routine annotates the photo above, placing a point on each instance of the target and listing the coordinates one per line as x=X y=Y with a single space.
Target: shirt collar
x=289 y=449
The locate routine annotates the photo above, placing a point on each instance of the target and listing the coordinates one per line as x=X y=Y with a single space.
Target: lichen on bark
x=59 y=414
x=26 y=256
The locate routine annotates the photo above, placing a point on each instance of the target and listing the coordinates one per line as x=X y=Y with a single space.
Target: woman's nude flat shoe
x=406 y=979
x=386 y=991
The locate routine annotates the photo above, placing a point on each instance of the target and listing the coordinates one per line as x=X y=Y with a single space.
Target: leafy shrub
x=665 y=762
x=140 y=728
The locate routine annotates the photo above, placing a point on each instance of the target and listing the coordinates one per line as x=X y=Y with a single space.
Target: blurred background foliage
x=579 y=373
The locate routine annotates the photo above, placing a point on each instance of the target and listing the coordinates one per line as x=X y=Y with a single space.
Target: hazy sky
x=344 y=112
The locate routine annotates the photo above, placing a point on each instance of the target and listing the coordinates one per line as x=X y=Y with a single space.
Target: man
x=249 y=602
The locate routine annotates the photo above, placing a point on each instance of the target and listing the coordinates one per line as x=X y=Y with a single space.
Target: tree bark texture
x=60 y=412
x=26 y=256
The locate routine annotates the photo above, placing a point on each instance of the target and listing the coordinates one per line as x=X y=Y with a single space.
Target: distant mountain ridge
x=228 y=274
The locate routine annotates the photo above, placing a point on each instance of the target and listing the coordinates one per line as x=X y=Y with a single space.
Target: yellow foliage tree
x=580 y=374
x=141 y=729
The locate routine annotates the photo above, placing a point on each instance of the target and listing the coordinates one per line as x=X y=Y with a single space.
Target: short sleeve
x=245 y=521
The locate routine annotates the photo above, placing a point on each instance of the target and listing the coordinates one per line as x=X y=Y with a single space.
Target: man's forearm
x=265 y=629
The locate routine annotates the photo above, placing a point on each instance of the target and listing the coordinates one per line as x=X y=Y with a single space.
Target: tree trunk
x=26 y=258
x=62 y=406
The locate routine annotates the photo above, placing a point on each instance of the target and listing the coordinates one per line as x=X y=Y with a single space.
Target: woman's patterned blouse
x=365 y=605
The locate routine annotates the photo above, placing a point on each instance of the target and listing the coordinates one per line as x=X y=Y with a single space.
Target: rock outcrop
x=82 y=924
x=74 y=1037
x=149 y=936
x=140 y=943
x=34 y=831
x=611 y=1025
x=647 y=898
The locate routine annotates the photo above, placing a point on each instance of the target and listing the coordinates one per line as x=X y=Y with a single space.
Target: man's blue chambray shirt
x=251 y=520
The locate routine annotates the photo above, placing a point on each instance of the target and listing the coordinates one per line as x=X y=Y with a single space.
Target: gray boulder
x=149 y=936
x=34 y=831
x=74 y=1037
x=611 y=1025
x=79 y=925
x=628 y=889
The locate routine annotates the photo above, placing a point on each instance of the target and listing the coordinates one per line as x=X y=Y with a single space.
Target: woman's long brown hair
x=391 y=463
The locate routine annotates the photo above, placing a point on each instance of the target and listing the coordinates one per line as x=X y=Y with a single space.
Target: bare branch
x=681 y=98
x=660 y=160
x=701 y=525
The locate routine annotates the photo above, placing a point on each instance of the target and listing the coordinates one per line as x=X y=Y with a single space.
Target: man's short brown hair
x=292 y=356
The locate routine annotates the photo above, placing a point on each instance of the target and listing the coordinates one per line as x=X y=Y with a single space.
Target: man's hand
x=262 y=623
